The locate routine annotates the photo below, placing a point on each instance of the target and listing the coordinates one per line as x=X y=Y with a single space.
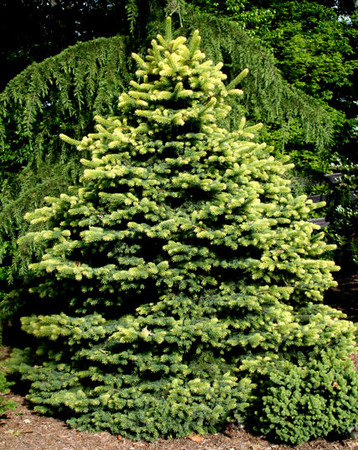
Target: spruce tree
x=182 y=282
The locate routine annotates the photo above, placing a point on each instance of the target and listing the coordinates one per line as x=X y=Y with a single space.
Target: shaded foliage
x=61 y=94
x=32 y=30
x=315 y=45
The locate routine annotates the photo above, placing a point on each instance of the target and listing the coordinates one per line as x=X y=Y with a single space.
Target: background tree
x=315 y=45
x=32 y=30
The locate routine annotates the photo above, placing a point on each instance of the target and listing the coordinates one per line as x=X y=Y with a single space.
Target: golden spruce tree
x=182 y=284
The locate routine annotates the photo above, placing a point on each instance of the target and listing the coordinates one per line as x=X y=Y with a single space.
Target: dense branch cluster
x=182 y=275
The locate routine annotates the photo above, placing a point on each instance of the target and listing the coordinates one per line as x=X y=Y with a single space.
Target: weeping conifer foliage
x=184 y=279
x=268 y=97
x=85 y=79
x=61 y=93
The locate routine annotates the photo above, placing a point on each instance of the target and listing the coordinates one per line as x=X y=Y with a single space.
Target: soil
x=23 y=429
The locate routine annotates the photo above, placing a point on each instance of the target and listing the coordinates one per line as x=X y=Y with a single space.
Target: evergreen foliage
x=300 y=402
x=4 y=389
x=19 y=194
x=32 y=30
x=314 y=44
x=61 y=95
x=180 y=271
x=226 y=41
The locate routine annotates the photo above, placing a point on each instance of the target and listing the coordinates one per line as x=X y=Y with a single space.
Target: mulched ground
x=23 y=429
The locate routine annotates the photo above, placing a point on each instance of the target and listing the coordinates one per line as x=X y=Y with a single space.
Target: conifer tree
x=184 y=281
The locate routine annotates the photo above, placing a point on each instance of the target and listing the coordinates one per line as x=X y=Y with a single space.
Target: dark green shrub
x=302 y=402
x=4 y=389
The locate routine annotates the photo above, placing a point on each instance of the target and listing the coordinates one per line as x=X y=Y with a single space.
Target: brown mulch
x=23 y=429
